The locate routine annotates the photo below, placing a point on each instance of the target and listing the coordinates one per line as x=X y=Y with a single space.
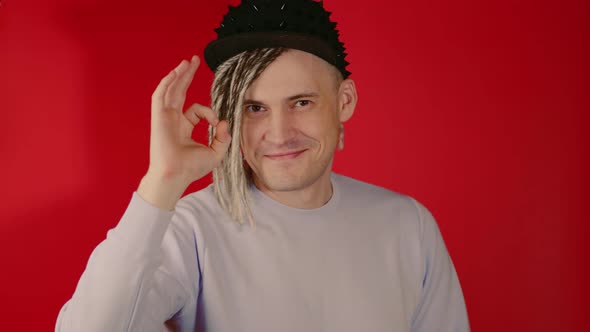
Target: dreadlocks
x=232 y=178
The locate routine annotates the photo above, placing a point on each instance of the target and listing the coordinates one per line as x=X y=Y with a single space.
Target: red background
x=477 y=109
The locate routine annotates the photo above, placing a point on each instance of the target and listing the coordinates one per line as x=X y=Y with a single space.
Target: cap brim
x=220 y=50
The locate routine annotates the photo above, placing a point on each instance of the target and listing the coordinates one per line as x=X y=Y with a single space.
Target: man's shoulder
x=358 y=193
x=202 y=200
x=349 y=186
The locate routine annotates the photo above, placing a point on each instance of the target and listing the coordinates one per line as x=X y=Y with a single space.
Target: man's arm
x=125 y=286
x=442 y=306
x=145 y=271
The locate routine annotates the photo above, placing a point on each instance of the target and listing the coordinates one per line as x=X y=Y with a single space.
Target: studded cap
x=299 y=24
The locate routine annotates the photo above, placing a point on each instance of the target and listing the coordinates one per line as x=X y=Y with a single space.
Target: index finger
x=197 y=112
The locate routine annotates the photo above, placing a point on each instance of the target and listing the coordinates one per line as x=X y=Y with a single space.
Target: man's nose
x=281 y=126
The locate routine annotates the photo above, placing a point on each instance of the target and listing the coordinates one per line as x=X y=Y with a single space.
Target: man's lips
x=284 y=155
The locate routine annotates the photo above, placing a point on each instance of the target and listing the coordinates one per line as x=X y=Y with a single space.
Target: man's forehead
x=293 y=72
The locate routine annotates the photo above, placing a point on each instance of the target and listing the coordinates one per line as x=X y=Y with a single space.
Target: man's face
x=291 y=119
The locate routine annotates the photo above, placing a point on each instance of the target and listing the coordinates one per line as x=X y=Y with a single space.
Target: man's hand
x=176 y=160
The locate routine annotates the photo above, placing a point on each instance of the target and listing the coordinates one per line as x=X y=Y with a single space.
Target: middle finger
x=176 y=93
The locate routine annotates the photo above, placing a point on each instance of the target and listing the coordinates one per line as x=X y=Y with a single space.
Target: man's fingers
x=222 y=139
x=176 y=93
x=185 y=81
x=158 y=95
x=197 y=112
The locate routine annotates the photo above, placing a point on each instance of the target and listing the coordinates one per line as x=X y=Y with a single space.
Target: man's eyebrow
x=304 y=95
x=252 y=102
x=291 y=98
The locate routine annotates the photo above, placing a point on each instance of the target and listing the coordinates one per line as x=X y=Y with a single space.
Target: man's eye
x=302 y=103
x=254 y=108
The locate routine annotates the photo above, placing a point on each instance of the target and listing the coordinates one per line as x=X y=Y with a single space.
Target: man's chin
x=282 y=181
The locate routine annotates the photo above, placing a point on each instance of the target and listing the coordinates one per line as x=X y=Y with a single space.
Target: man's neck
x=311 y=197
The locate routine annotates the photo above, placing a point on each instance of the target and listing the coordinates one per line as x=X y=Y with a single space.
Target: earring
x=341 y=141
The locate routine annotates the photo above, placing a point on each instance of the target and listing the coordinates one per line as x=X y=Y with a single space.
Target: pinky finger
x=158 y=95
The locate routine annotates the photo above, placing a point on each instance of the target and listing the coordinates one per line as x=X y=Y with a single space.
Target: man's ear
x=347 y=99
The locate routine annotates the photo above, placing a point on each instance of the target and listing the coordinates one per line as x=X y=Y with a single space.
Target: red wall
x=475 y=108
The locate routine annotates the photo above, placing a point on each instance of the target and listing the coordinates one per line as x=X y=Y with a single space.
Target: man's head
x=296 y=105
x=285 y=105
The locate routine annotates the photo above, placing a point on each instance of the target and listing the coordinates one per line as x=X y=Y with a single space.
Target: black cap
x=298 y=24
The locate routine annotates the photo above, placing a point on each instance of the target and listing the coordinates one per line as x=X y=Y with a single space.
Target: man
x=319 y=251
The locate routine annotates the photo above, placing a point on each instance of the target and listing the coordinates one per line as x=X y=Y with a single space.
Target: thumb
x=222 y=139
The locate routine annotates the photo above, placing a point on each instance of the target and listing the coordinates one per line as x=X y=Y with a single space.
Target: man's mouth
x=285 y=155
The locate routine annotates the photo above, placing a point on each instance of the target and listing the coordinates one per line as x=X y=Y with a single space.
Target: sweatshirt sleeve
x=442 y=306
x=134 y=278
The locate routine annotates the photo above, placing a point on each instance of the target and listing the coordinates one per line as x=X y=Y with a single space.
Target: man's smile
x=285 y=155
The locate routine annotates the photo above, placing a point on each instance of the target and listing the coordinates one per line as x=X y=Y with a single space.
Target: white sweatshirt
x=368 y=260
